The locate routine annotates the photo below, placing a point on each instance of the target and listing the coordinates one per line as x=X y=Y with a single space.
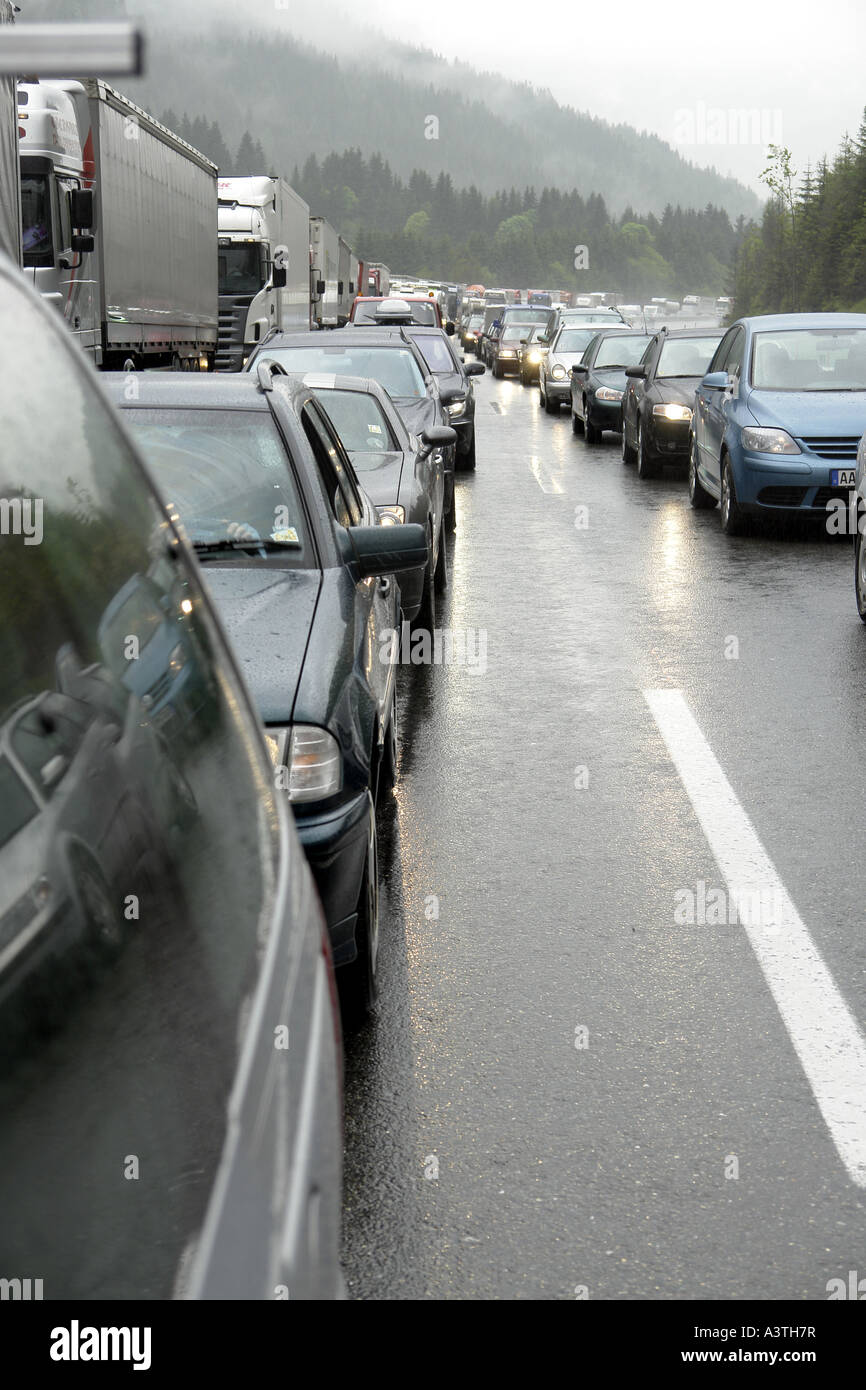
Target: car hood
x=810 y=412
x=267 y=614
x=379 y=475
x=614 y=377
x=565 y=359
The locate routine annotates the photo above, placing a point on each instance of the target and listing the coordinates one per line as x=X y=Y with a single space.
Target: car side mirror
x=715 y=381
x=81 y=208
x=638 y=371
x=374 y=550
x=451 y=394
x=438 y=437
x=578 y=370
x=474 y=369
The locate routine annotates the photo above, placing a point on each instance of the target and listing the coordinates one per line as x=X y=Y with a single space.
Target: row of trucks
x=151 y=257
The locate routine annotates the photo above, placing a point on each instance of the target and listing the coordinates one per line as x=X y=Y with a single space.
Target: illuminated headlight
x=607 y=393
x=392 y=516
x=534 y=356
x=558 y=373
x=506 y=352
x=767 y=441
x=672 y=411
x=203 y=363
x=177 y=660
x=457 y=408
x=307 y=762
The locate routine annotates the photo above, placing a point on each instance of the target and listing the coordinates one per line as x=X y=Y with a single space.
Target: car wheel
x=105 y=925
x=358 y=982
x=646 y=467
x=628 y=453
x=593 y=435
x=552 y=407
x=860 y=570
x=467 y=460
x=732 y=516
x=497 y=370
x=440 y=577
x=576 y=422
x=700 y=499
x=426 y=616
x=388 y=764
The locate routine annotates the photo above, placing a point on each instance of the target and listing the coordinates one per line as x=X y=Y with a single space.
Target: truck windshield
x=36 y=220
x=240 y=268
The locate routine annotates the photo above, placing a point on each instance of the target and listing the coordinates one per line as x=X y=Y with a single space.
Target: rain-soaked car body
x=309 y=618
x=158 y=921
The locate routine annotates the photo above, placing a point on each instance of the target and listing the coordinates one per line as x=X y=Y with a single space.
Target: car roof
x=218 y=390
x=691 y=333
x=760 y=323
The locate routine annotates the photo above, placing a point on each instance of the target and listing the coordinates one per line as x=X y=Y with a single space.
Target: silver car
x=565 y=349
x=170 y=1114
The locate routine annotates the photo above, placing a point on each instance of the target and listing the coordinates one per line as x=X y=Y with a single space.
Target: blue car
x=778 y=417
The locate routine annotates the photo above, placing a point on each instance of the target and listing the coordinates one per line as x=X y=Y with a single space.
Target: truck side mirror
x=81 y=208
x=278 y=277
x=320 y=287
x=82 y=244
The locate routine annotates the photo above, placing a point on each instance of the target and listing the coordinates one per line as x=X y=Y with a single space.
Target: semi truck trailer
x=118 y=226
x=264 y=264
x=324 y=274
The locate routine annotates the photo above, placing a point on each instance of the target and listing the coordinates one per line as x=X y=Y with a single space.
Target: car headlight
x=177 y=660
x=558 y=372
x=392 y=516
x=672 y=411
x=456 y=408
x=607 y=393
x=307 y=760
x=506 y=352
x=533 y=356
x=769 y=441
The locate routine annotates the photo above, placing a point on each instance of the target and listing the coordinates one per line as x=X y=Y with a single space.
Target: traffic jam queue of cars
x=767 y=417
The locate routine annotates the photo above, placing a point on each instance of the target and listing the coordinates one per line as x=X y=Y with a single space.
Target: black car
x=660 y=396
x=301 y=570
x=402 y=476
x=453 y=375
x=386 y=355
x=505 y=345
x=530 y=354
x=492 y=317
x=158 y=920
x=470 y=332
x=598 y=381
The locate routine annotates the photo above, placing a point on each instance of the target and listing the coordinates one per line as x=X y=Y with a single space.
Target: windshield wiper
x=236 y=543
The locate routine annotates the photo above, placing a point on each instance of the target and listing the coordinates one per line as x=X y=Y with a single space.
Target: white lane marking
x=542 y=475
x=826 y=1038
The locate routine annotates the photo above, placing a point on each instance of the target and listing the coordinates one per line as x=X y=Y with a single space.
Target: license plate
x=842 y=477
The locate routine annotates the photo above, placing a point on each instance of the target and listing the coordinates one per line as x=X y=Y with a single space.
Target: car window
x=685 y=356
x=359 y=420
x=333 y=470
x=227 y=473
x=734 y=358
x=435 y=352
x=574 y=339
x=810 y=360
x=621 y=350
x=717 y=362
x=135 y=898
x=395 y=368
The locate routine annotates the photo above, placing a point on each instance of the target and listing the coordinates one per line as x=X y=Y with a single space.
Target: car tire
x=700 y=499
x=426 y=615
x=646 y=467
x=576 y=422
x=388 y=762
x=358 y=982
x=440 y=576
x=592 y=433
x=733 y=519
x=860 y=570
x=552 y=407
x=628 y=453
x=497 y=371
x=467 y=460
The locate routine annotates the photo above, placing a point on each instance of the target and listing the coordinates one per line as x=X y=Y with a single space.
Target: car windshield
x=227 y=475
x=476 y=321
x=436 y=353
x=621 y=350
x=360 y=422
x=686 y=356
x=529 y=315
x=810 y=359
x=394 y=368
x=513 y=332
x=36 y=220
x=575 y=339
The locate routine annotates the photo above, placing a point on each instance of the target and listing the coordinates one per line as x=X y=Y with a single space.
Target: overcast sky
x=682 y=70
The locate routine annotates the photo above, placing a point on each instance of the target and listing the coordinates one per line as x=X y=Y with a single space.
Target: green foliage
x=809 y=252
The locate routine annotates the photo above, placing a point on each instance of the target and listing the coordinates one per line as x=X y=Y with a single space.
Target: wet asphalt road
x=564 y=1167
